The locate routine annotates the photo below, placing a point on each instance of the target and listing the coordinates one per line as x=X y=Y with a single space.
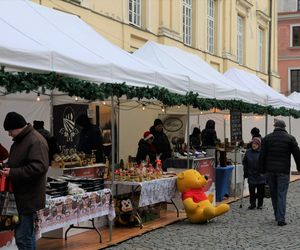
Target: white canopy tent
x=205 y=80
x=295 y=97
x=250 y=80
x=37 y=38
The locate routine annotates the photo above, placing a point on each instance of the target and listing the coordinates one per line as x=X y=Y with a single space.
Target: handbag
x=267 y=191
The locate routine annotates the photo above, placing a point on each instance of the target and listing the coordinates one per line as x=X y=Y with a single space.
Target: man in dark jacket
x=90 y=138
x=51 y=140
x=26 y=168
x=161 y=141
x=275 y=161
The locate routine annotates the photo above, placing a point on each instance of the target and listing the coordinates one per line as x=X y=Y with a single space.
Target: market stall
x=89 y=67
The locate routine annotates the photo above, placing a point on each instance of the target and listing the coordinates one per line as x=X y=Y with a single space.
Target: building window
x=135 y=12
x=187 y=22
x=260 y=44
x=210 y=25
x=295 y=38
x=295 y=80
x=240 y=39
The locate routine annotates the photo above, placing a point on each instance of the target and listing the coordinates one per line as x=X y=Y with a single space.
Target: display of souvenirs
x=138 y=173
x=71 y=158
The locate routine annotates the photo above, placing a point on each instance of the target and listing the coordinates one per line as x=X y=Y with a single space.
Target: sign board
x=65 y=130
x=174 y=126
x=236 y=125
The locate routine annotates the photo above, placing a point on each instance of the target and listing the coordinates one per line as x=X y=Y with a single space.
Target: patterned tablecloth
x=73 y=209
x=154 y=191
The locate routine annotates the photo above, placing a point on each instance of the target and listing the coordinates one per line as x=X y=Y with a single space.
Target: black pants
x=256 y=192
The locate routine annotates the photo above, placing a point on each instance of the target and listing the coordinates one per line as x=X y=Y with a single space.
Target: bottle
x=122 y=164
x=107 y=172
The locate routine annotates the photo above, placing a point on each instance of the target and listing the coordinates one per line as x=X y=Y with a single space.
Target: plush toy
x=125 y=214
x=198 y=206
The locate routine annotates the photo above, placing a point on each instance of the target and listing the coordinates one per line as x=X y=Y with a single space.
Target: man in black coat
x=275 y=161
x=90 y=138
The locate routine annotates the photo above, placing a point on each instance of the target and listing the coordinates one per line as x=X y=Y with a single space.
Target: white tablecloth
x=73 y=209
x=154 y=191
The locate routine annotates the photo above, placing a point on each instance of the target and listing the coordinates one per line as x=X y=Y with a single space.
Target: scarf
x=197 y=195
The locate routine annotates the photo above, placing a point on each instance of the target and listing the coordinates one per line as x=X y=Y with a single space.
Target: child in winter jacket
x=256 y=181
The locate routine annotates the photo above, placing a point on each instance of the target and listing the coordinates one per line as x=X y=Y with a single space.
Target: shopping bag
x=8 y=204
x=267 y=191
x=5 y=184
x=8 y=208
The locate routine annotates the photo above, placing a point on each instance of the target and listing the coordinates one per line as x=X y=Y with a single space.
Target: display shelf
x=98 y=170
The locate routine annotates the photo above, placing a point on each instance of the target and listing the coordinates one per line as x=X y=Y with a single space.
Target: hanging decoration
x=15 y=82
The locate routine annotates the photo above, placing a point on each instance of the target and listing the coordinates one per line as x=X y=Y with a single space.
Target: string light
x=38 y=98
x=143 y=107
x=162 y=108
x=201 y=112
x=178 y=106
x=104 y=103
x=76 y=98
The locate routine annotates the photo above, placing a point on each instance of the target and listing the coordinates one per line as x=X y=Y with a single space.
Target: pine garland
x=22 y=81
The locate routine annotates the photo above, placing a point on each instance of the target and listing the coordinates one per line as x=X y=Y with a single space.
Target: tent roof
x=205 y=80
x=37 y=38
x=274 y=98
x=295 y=96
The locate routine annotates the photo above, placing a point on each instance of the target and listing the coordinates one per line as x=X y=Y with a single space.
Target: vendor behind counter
x=90 y=138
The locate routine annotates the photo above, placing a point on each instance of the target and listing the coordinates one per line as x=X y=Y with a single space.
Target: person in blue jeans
x=256 y=181
x=275 y=160
x=26 y=168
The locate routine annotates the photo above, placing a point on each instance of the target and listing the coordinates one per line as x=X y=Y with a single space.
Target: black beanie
x=38 y=124
x=157 y=122
x=14 y=120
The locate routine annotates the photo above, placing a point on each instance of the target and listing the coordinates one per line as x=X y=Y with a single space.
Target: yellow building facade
x=225 y=33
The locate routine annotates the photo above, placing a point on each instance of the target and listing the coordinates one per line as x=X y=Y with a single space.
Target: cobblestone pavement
x=238 y=229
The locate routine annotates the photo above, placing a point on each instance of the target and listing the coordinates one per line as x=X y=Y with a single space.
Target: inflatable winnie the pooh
x=198 y=206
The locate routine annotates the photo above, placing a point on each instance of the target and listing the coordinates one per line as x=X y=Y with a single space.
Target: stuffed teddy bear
x=198 y=206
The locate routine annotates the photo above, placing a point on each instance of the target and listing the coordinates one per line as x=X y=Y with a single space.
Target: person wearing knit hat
x=256 y=182
x=26 y=168
x=146 y=149
x=257 y=141
x=13 y=121
x=279 y=124
x=275 y=161
x=161 y=141
x=254 y=133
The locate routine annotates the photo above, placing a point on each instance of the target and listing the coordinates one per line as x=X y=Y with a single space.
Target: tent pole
x=118 y=132
x=51 y=113
x=224 y=128
x=112 y=157
x=266 y=124
x=188 y=136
